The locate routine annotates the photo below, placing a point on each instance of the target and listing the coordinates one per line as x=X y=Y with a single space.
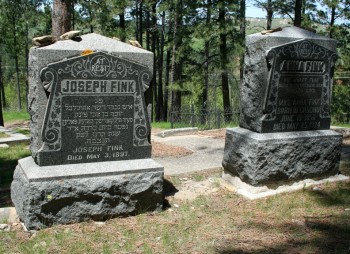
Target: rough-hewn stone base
x=63 y=194
x=270 y=158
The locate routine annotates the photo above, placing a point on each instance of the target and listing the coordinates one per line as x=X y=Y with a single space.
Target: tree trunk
x=2 y=89
x=122 y=26
x=176 y=64
x=1 y=95
x=16 y=66
x=1 y=116
x=61 y=17
x=159 y=98
x=154 y=80
x=224 y=62
x=243 y=32
x=206 y=68
x=18 y=84
x=166 y=90
x=26 y=63
x=160 y=112
x=73 y=15
x=148 y=41
x=297 y=12
x=331 y=24
x=140 y=25
x=151 y=90
x=269 y=14
x=91 y=25
x=137 y=20
x=155 y=60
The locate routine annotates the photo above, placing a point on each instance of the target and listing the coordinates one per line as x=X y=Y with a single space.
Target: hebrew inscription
x=96 y=110
x=298 y=93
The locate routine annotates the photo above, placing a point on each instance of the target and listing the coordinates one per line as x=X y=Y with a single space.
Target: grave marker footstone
x=284 y=110
x=89 y=130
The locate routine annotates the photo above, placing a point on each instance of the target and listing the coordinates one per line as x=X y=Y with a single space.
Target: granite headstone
x=89 y=134
x=95 y=112
x=284 y=110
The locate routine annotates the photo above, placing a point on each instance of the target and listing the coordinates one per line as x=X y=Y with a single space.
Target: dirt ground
x=160 y=150
x=18 y=125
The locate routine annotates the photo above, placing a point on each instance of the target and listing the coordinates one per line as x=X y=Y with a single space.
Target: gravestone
x=91 y=153
x=95 y=111
x=284 y=123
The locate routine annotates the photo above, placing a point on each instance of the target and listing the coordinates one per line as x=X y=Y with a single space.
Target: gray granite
x=287 y=81
x=100 y=108
x=50 y=195
x=271 y=158
x=89 y=134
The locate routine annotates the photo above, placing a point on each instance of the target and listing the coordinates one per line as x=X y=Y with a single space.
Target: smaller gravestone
x=284 y=110
x=91 y=156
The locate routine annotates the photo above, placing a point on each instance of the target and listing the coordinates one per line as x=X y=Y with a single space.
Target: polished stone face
x=297 y=97
x=96 y=110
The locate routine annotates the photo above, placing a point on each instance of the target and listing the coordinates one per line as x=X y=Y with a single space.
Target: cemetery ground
x=201 y=215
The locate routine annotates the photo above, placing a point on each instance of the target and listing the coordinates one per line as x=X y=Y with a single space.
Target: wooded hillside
x=198 y=45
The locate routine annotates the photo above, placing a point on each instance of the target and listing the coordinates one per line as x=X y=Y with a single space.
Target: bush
x=340 y=106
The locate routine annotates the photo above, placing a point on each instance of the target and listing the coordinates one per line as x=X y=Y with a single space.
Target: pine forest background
x=198 y=45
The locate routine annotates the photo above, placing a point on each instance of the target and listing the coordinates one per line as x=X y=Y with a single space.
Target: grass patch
x=307 y=221
x=23 y=131
x=345 y=125
x=161 y=125
x=4 y=135
x=8 y=162
x=10 y=116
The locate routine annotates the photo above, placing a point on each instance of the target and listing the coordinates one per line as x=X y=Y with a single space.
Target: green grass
x=8 y=161
x=4 y=135
x=10 y=116
x=23 y=131
x=161 y=125
x=305 y=221
x=346 y=125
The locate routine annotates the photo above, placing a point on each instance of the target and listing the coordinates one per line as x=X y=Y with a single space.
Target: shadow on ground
x=7 y=167
x=323 y=234
x=169 y=190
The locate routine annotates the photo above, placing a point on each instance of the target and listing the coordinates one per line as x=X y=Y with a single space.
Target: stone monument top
x=97 y=42
x=87 y=101
x=287 y=81
x=291 y=33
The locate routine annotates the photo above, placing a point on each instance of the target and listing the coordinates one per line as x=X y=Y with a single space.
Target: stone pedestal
x=271 y=158
x=47 y=195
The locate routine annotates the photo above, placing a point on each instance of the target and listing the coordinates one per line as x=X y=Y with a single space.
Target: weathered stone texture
x=40 y=57
x=260 y=159
x=256 y=71
x=49 y=200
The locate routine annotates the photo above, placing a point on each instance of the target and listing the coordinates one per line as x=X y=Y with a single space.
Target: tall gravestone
x=89 y=134
x=284 y=132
